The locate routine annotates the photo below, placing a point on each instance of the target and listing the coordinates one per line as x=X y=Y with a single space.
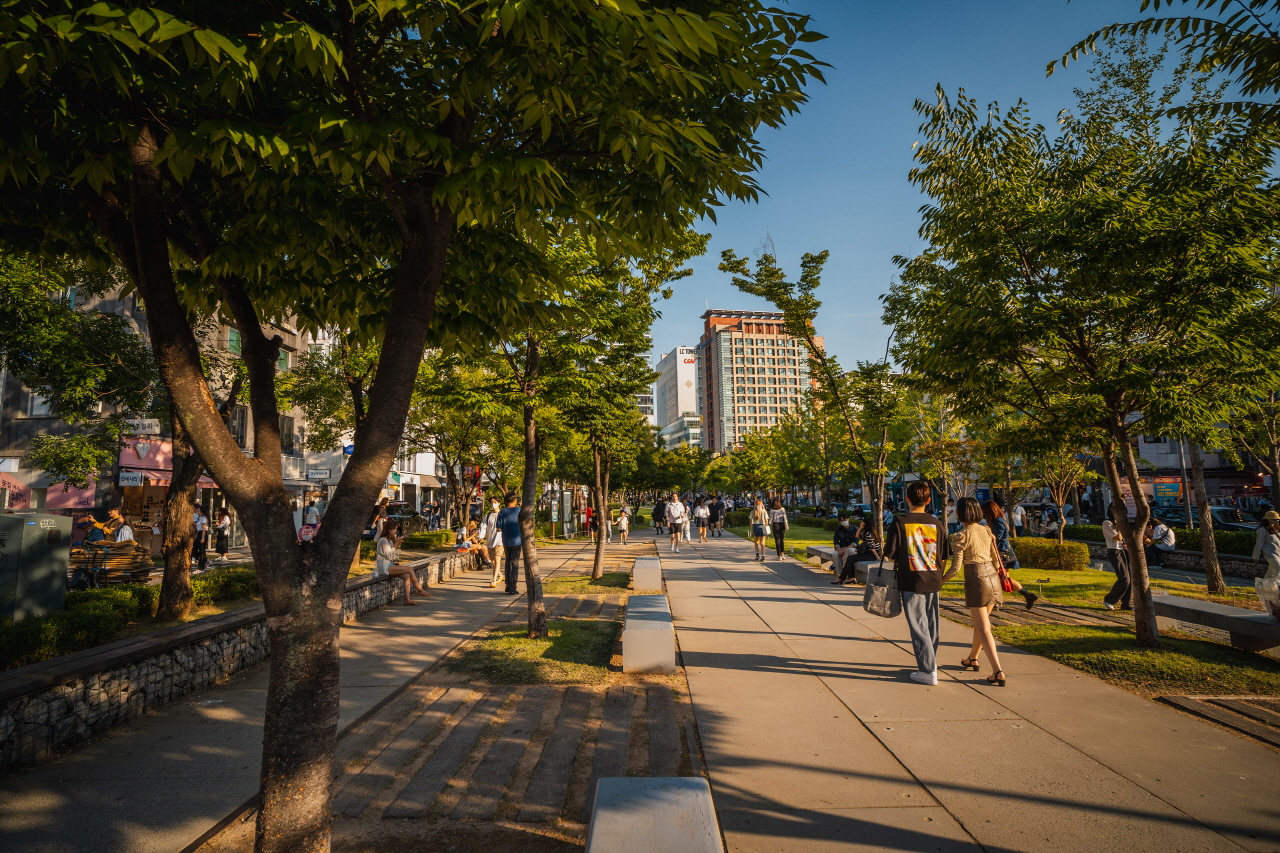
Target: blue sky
x=836 y=176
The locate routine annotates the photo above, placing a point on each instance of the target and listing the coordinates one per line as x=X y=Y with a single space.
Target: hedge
x=94 y=616
x=1046 y=555
x=427 y=539
x=1236 y=542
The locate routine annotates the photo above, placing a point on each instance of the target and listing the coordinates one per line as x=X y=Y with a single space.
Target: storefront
x=146 y=467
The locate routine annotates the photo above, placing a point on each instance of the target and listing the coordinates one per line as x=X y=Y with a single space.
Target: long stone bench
x=646 y=574
x=1248 y=629
x=827 y=555
x=648 y=635
x=651 y=814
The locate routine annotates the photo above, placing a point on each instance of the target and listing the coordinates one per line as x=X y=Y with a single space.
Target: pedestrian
x=1267 y=545
x=759 y=524
x=379 y=518
x=846 y=537
x=685 y=535
x=993 y=515
x=624 y=524
x=702 y=517
x=659 y=516
x=916 y=542
x=953 y=525
x=1162 y=541
x=974 y=549
x=1019 y=519
x=677 y=516
x=200 y=546
x=223 y=528
x=493 y=540
x=591 y=521
x=311 y=515
x=715 y=515
x=778 y=521
x=1122 y=589
x=512 y=539
x=388 y=542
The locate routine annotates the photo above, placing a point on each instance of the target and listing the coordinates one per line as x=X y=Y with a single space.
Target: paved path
x=815 y=740
x=160 y=783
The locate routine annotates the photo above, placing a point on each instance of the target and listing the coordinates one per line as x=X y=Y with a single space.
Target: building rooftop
x=744 y=315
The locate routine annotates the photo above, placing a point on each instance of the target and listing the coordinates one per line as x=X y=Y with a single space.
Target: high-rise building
x=676 y=391
x=750 y=371
x=644 y=401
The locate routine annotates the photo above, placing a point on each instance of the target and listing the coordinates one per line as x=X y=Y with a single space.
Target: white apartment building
x=676 y=391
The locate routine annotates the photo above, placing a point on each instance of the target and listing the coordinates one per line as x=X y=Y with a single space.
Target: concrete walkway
x=162 y=782
x=816 y=740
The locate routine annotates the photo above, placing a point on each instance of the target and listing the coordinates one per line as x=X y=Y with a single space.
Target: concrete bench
x=648 y=635
x=646 y=574
x=650 y=814
x=827 y=555
x=1249 y=629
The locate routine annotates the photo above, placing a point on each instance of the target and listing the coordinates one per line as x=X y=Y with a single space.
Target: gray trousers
x=921 y=610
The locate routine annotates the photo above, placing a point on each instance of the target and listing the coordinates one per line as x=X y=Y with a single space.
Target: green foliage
x=1082 y=532
x=80 y=361
x=428 y=539
x=1236 y=542
x=1049 y=555
x=44 y=637
x=224 y=585
x=1244 y=43
x=116 y=598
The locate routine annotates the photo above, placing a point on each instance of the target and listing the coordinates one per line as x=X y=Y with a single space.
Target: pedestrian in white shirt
x=677 y=517
x=701 y=515
x=1019 y=519
x=1162 y=542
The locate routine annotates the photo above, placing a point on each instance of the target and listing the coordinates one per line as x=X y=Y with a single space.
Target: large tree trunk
x=1144 y=613
x=179 y=527
x=597 y=564
x=1208 y=541
x=529 y=495
x=1009 y=502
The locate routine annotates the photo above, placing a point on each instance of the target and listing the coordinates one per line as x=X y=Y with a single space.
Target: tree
x=1246 y=44
x=336 y=160
x=866 y=398
x=1101 y=270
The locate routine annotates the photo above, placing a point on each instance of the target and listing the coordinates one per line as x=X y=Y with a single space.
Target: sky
x=836 y=174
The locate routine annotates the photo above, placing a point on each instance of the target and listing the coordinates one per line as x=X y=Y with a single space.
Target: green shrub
x=1085 y=532
x=427 y=539
x=122 y=601
x=1046 y=555
x=147 y=596
x=43 y=637
x=737 y=518
x=367 y=549
x=806 y=521
x=1235 y=542
x=223 y=585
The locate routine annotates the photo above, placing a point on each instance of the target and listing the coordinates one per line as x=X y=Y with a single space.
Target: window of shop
x=286 y=435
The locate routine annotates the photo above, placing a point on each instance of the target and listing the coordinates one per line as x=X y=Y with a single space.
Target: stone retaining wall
x=1233 y=565
x=56 y=704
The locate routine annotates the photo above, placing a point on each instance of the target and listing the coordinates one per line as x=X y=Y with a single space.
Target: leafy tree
x=1101 y=270
x=1243 y=40
x=334 y=160
x=867 y=398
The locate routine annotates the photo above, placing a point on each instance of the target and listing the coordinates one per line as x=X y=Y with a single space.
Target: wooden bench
x=646 y=574
x=1249 y=629
x=639 y=814
x=648 y=635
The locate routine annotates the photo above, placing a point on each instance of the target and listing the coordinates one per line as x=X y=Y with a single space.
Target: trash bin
x=34 y=552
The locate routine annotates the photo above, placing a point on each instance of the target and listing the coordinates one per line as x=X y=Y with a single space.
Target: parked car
x=1224 y=517
x=411 y=521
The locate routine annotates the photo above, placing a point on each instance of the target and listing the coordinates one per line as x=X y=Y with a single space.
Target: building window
x=282 y=360
x=238 y=423
x=234 y=343
x=286 y=435
x=37 y=406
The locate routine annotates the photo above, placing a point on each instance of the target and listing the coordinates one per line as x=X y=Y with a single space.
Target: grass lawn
x=576 y=652
x=610 y=583
x=1086 y=589
x=797 y=540
x=1183 y=665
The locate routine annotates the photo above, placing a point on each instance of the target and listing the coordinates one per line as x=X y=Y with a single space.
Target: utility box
x=35 y=550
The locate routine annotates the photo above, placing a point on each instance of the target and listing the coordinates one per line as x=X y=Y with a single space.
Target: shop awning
x=426 y=481
x=163 y=478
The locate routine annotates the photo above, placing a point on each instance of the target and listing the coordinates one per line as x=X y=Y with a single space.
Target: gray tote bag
x=881 y=597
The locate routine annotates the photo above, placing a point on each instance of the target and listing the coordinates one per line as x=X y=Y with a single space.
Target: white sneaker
x=1108 y=606
x=925 y=677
